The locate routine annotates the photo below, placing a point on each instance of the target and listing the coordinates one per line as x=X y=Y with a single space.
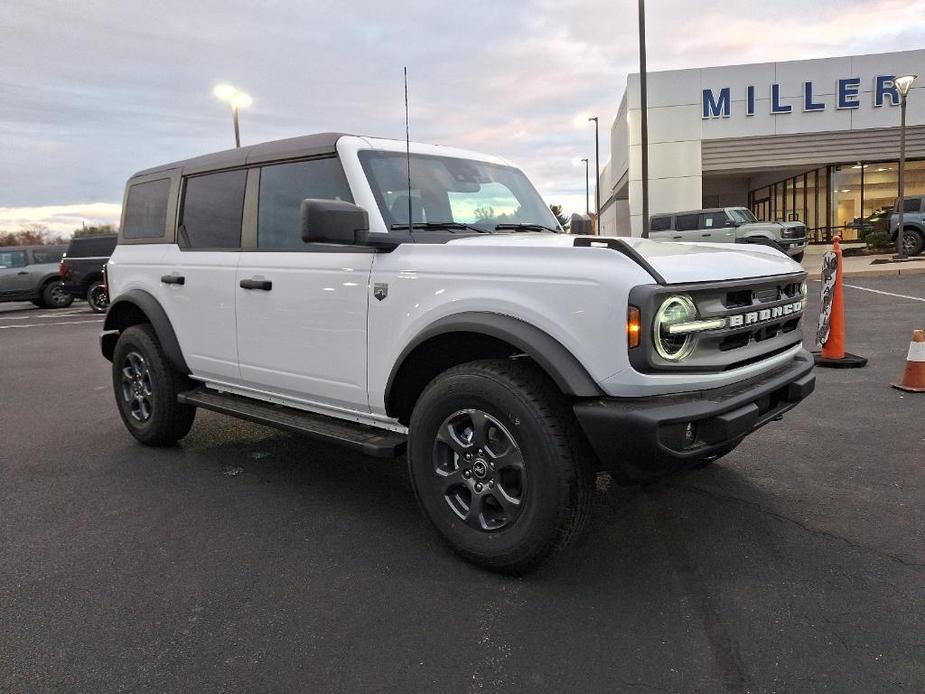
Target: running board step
x=366 y=439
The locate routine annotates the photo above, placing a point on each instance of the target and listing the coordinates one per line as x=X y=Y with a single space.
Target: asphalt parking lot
x=252 y=560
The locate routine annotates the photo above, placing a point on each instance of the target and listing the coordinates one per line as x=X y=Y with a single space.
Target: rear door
x=197 y=285
x=301 y=308
x=686 y=227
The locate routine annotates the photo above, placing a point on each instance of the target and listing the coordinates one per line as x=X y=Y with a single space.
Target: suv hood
x=677 y=263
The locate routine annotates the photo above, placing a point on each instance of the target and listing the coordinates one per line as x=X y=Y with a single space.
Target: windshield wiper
x=440 y=225
x=524 y=227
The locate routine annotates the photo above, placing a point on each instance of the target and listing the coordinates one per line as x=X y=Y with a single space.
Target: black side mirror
x=731 y=223
x=333 y=221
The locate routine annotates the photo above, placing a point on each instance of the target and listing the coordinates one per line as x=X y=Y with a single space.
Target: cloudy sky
x=92 y=91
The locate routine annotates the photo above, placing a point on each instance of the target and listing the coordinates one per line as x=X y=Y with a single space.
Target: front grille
x=796 y=232
x=762 y=319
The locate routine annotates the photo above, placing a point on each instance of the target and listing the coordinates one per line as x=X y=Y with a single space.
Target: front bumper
x=643 y=438
x=793 y=246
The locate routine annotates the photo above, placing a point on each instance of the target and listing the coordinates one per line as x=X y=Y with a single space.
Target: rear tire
x=96 y=297
x=499 y=464
x=146 y=387
x=54 y=296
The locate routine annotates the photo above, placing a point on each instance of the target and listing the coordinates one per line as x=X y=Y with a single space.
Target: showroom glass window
x=146 y=210
x=283 y=187
x=213 y=206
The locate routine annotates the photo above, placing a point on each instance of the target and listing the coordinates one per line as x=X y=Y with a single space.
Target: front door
x=14 y=275
x=302 y=308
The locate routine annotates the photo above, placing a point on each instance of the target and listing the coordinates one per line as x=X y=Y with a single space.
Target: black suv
x=82 y=269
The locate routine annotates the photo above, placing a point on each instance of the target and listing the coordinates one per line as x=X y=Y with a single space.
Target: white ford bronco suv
x=304 y=284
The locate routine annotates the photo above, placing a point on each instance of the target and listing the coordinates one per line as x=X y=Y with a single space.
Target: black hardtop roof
x=289 y=148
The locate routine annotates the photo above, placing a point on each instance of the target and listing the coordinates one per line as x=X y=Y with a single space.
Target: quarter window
x=146 y=210
x=213 y=206
x=660 y=224
x=687 y=222
x=283 y=187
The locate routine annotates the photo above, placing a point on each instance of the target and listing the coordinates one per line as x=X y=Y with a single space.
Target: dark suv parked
x=82 y=269
x=30 y=273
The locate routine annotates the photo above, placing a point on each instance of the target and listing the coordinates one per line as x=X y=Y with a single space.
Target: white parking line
x=877 y=291
x=60 y=314
x=42 y=325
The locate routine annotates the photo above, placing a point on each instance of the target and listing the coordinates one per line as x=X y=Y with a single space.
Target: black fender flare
x=157 y=317
x=551 y=355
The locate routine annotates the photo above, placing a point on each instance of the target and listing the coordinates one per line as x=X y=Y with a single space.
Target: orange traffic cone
x=831 y=333
x=914 y=377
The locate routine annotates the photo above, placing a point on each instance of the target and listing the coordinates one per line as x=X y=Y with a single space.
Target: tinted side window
x=687 y=222
x=92 y=247
x=52 y=255
x=660 y=224
x=213 y=206
x=146 y=210
x=713 y=220
x=912 y=204
x=10 y=259
x=283 y=187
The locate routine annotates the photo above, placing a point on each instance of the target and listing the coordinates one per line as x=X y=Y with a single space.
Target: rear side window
x=712 y=220
x=44 y=256
x=146 y=210
x=660 y=224
x=213 y=206
x=687 y=222
x=283 y=187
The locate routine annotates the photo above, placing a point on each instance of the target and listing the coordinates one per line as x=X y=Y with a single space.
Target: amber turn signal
x=633 y=327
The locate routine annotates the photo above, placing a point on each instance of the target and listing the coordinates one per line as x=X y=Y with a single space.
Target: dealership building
x=810 y=140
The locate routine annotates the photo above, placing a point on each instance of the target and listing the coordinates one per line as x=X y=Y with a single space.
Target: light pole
x=597 y=170
x=237 y=99
x=903 y=84
x=644 y=119
x=587 y=190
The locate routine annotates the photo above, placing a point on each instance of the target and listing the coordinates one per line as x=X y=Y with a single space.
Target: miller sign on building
x=810 y=140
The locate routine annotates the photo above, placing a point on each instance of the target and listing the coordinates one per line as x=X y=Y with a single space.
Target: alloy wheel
x=97 y=298
x=137 y=393
x=480 y=470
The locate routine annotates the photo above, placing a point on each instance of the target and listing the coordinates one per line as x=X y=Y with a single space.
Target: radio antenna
x=408 y=154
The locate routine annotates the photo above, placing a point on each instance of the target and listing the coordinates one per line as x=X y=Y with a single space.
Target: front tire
x=499 y=464
x=799 y=256
x=913 y=241
x=54 y=296
x=146 y=388
x=96 y=297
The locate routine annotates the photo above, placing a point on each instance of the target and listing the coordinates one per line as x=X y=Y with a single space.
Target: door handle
x=265 y=285
x=173 y=279
x=676 y=237
x=23 y=272
x=705 y=235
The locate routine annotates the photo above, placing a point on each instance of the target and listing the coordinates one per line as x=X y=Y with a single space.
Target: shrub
x=878 y=240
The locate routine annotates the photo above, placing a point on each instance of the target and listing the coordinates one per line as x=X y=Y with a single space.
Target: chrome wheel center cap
x=480 y=469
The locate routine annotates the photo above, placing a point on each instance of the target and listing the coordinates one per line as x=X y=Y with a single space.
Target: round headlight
x=675 y=309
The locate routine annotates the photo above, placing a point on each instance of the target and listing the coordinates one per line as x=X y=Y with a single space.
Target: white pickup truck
x=305 y=285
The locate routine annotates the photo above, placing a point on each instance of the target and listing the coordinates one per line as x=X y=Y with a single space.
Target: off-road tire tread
x=173 y=421
x=575 y=466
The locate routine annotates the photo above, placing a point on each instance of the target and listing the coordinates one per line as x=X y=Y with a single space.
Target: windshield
x=742 y=215
x=455 y=191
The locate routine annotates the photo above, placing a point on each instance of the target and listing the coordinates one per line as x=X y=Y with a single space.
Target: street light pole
x=597 y=170
x=237 y=130
x=238 y=100
x=587 y=190
x=644 y=119
x=903 y=84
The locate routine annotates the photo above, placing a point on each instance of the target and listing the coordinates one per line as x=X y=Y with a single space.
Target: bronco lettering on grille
x=766 y=314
